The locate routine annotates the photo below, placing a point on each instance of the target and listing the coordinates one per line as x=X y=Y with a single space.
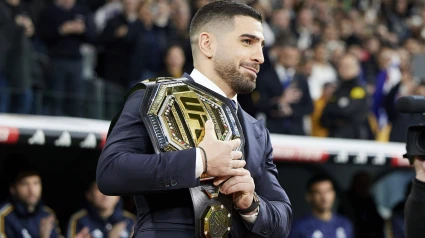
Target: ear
x=206 y=44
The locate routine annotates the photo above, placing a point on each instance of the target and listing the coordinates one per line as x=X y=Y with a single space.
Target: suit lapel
x=252 y=130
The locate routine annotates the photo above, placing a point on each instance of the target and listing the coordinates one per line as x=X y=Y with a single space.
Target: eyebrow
x=253 y=37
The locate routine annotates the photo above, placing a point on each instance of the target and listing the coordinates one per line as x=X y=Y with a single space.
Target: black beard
x=238 y=82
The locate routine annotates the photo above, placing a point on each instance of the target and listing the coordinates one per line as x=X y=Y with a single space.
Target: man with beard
x=322 y=222
x=227 y=40
x=103 y=217
x=25 y=215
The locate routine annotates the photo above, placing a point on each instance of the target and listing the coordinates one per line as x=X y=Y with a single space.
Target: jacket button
x=161 y=184
x=173 y=183
x=167 y=183
x=263 y=231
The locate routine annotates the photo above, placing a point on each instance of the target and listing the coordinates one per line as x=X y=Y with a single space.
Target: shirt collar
x=201 y=79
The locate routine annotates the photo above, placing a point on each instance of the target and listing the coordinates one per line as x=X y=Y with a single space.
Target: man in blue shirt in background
x=322 y=222
x=24 y=215
x=103 y=217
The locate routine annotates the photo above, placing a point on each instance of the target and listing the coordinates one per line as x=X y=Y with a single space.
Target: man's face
x=239 y=54
x=290 y=57
x=348 y=68
x=101 y=201
x=28 y=190
x=322 y=196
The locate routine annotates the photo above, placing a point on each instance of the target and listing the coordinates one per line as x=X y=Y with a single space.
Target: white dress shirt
x=199 y=78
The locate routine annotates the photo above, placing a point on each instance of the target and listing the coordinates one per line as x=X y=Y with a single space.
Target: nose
x=257 y=55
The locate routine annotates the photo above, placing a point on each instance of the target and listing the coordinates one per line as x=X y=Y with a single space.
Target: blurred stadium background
x=60 y=84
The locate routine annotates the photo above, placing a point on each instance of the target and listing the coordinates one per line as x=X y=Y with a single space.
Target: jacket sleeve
x=128 y=164
x=415 y=211
x=275 y=216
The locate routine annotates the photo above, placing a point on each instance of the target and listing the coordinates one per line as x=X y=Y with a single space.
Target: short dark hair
x=220 y=12
x=317 y=179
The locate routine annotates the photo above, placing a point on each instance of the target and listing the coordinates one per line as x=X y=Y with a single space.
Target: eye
x=246 y=41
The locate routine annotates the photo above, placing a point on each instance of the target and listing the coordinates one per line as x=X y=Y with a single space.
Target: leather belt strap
x=216 y=210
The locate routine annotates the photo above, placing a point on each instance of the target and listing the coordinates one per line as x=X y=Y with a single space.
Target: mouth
x=252 y=70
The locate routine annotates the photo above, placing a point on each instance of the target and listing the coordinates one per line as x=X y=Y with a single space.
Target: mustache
x=251 y=65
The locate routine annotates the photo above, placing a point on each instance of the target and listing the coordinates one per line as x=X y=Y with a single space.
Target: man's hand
x=117 y=229
x=221 y=159
x=26 y=23
x=46 y=226
x=84 y=233
x=290 y=95
x=79 y=26
x=72 y=27
x=242 y=187
x=420 y=168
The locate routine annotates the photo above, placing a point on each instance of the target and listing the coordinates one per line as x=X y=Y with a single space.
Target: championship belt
x=174 y=112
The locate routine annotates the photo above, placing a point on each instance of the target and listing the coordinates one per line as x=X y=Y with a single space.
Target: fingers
x=238 y=184
x=209 y=131
x=236 y=172
x=236 y=155
x=235 y=143
x=236 y=164
x=220 y=180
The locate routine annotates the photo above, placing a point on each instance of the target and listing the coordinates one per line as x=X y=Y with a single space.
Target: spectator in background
x=322 y=71
x=284 y=94
x=322 y=222
x=345 y=115
x=65 y=26
x=105 y=13
x=16 y=57
x=388 y=77
x=118 y=41
x=103 y=217
x=151 y=42
x=303 y=28
x=361 y=208
x=281 y=22
x=174 y=62
x=319 y=105
x=25 y=215
x=180 y=17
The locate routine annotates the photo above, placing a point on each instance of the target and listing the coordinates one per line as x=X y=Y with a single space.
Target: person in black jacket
x=25 y=215
x=414 y=210
x=284 y=94
x=16 y=56
x=345 y=115
x=64 y=26
x=103 y=216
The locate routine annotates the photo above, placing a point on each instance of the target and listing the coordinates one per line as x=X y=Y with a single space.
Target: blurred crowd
x=333 y=68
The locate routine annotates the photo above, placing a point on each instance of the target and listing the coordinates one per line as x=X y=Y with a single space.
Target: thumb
x=209 y=131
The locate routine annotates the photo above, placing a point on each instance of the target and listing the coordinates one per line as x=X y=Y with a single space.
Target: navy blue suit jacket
x=159 y=183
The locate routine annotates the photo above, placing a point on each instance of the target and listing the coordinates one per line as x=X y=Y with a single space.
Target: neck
x=324 y=216
x=210 y=73
x=105 y=214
